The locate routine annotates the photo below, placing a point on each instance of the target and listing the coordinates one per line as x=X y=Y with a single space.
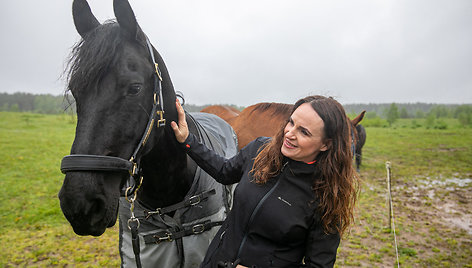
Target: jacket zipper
x=255 y=211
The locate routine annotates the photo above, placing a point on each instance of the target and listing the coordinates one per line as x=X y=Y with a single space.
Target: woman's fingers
x=180 y=130
x=181 y=113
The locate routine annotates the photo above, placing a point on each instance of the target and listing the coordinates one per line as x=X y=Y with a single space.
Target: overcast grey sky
x=248 y=51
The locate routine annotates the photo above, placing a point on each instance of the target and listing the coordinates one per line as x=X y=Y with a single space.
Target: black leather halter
x=85 y=162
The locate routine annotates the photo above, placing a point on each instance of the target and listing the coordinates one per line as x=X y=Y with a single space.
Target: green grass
x=424 y=152
x=33 y=230
x=32 y=146
x=34 y=233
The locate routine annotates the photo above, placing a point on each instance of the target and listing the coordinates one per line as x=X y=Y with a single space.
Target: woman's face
x=303 y=135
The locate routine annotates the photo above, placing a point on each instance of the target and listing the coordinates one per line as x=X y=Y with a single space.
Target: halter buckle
x=162 y=121
x=150 y=213
x=165 y=238
x=194 y=200
x=198 y=229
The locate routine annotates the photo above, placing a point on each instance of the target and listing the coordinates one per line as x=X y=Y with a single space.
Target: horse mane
x=93 y=57
x=276 y=109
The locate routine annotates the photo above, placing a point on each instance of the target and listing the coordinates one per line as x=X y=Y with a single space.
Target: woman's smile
x=289 y=145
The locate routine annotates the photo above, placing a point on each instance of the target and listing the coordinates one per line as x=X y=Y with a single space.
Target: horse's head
x=355 y=135
x=113 y=80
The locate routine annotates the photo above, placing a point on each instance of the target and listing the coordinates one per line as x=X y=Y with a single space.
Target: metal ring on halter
x=126 y=194
x=135 y=166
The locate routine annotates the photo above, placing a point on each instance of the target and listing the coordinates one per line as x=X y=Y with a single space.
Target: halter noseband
x=86 y=162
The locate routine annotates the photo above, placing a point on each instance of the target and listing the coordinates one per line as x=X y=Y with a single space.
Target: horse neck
x=168 y=173
x=167 y=177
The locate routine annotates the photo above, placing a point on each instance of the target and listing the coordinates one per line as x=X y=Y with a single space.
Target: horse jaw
x=90 y=208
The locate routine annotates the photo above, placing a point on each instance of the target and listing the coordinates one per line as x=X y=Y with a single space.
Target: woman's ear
x=326 y=146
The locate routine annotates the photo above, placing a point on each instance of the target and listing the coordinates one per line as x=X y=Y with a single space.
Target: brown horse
x=261 y=119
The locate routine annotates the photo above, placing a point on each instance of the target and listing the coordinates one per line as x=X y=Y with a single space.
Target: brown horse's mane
x=276 y=109
x=227 y=113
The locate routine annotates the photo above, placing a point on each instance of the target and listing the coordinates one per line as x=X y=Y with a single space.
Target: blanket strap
x=187 y=202
x=169 y=236
x=135 y=242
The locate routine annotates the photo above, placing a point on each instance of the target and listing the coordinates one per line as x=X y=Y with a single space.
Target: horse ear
x=126 y=18
x=84 y=20
x=358 y=118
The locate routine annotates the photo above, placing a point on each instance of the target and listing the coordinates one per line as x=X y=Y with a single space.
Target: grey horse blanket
x=201 y=220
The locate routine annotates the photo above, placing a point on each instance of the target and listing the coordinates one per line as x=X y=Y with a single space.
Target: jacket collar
x=300 y=168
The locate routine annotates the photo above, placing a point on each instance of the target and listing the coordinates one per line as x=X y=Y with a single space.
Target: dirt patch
x=444 y=149
x=447 y=200
x=457 y=218
x=433 y=224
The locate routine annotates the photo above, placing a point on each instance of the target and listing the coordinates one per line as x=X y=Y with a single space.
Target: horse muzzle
x=90 y=207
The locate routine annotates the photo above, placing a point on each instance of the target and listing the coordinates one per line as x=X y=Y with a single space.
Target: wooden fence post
x=391 y=219
x=389 y=195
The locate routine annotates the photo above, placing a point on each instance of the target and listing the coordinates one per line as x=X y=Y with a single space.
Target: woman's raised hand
x=180 y=130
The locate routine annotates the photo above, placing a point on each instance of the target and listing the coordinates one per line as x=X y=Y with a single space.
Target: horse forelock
x=90 y=59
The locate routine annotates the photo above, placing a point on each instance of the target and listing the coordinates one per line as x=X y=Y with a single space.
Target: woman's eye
x=134 y=89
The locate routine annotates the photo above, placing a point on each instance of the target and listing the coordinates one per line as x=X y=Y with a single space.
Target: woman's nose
x=289 y=133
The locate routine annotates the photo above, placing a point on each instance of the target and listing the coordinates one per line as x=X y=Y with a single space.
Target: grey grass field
x=431 y=190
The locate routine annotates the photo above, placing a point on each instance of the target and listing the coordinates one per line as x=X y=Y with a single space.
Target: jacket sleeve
x=321 y=248
x=223 y=170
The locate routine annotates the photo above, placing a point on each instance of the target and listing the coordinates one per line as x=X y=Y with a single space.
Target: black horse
x=361 y=137
x=358 y=139
x=125 y=157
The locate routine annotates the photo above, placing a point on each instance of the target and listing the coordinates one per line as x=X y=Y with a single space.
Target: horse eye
x=134 y=89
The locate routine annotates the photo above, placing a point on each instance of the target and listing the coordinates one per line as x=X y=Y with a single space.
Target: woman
x=296 y=191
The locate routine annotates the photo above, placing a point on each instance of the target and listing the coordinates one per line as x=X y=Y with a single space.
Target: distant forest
x=50 y=104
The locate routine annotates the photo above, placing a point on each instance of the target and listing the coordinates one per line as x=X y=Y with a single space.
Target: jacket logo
x=285 y=201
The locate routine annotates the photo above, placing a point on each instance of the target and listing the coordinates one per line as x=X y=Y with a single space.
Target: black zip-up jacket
x=270 y=225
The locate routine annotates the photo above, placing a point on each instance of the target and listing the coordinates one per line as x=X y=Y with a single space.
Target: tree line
x=50 y=104
x=53 y=104
x=27 y=102
x=428 y=111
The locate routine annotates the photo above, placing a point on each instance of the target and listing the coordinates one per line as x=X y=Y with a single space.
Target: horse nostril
x=96 y=211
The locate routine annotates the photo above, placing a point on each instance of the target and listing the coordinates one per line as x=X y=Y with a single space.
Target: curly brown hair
x=336 y=185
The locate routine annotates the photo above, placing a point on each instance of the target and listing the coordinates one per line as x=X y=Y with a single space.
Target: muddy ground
x=432 y=219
